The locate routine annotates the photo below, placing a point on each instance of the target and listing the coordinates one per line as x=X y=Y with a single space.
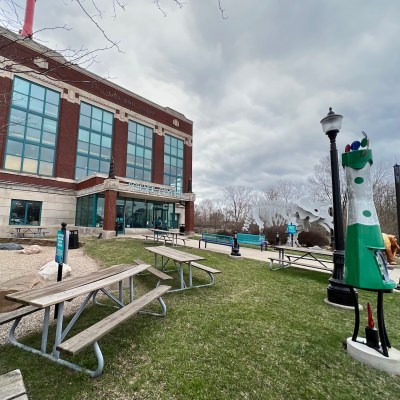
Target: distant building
x=79 y=149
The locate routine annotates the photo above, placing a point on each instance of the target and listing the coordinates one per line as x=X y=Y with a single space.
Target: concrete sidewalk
x=257 y=254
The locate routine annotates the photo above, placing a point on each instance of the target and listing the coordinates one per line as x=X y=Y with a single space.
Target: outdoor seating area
x=215 y=238
x=166 y=236
x=28 y=231
x=255 y=240
x=302 y=257
x=237 y=314
x=58 y=293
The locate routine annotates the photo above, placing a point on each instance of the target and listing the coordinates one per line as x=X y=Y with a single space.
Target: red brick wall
x=189 y=217
x=67 y=140
x=25 y=56
x=120 y=142
x=110 y=209
x=5 y=93
x=36 y=181
x=158 y=159
x=187 y=171
x=89 y=183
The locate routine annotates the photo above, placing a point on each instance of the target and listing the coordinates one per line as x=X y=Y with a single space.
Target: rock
x=49 y=271
x=10 y=246
x=35 y=249
x=16 y=285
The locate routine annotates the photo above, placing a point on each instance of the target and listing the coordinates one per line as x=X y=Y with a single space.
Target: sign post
x=61 y=254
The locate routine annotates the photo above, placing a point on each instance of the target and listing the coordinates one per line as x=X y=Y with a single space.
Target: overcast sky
x=255 y=84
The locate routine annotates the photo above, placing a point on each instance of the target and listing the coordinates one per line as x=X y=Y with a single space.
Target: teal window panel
x=25 y=212
x=139 y=152
x=33 y=122
x=173 y=162
x=94 y=146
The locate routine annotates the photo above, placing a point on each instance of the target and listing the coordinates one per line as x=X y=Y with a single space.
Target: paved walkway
x=257 y=254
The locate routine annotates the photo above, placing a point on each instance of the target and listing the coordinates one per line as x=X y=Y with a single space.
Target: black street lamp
x=336 y=294
x=397 y=187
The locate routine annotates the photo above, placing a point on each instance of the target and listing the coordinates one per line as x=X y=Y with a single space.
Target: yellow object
x=391 y=248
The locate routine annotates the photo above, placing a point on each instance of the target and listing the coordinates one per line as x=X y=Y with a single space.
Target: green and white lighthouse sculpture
x=365 y=267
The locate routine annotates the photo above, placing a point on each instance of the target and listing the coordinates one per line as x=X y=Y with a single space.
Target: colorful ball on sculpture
x=347 y=148
x=355 y=145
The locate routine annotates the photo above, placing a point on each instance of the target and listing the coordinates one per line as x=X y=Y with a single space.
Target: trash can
x=73 y=239
x=182 y=229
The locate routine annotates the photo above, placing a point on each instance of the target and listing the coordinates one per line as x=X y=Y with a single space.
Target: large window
x=173 y=162
x=90 y=210
x=32 y=128
x=25 y=212
x=139 y=152
x=94 y=141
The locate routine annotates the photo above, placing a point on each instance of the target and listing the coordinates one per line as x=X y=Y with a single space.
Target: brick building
x=79 y=149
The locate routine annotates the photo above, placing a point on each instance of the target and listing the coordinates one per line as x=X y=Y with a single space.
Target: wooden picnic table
x=89 y=285
x=163 y=255
x=34 y=231
x=305 y=257
x=166 y=236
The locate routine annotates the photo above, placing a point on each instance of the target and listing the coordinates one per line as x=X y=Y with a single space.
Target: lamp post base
x=339 y=295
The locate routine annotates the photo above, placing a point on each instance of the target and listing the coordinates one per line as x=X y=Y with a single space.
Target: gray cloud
x=256 y=84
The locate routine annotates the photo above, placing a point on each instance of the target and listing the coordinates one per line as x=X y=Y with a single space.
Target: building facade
x=79 y=149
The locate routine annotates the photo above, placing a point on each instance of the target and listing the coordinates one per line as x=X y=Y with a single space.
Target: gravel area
x=14 y=265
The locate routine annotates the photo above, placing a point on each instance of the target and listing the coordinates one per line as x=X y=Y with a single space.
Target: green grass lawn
x=256 y=334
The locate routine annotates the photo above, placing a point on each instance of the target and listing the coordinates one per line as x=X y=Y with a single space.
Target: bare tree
x=285 y=190
x=238 y=201
x=383 y=190
x=11 y=18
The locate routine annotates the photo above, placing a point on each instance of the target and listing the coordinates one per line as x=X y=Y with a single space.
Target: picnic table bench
x=165 y=236
x=217 y=239
x=181 y=259
x=12 y=386
x=305 y=258
x=256 y=240
x=28 y=231
x=89 y=285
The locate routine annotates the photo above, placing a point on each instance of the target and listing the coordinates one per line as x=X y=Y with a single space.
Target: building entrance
x=160 y=217
x=119 y=219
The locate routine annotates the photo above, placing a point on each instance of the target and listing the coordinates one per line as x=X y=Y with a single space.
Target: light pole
x=336 y=293
x=397 y=187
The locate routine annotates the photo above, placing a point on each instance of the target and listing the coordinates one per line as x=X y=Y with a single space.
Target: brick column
x=189 y=217
x=158 y=159
x=5 y=90
x=120 y=146
x=110 y=209
x=187 y=171
x=67 y=139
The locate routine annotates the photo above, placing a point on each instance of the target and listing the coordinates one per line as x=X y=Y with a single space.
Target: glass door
x=160 y=217
x=119 y=219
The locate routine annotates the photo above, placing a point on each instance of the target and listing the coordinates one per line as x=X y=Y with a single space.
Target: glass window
x=139 y=152
x=94 y=141
x=90 y=211
x=25 y=212
x=173 y=162
x=34 y=133
x=38 y=92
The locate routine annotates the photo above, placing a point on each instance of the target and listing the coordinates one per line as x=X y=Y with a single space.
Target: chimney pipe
x=27 y=30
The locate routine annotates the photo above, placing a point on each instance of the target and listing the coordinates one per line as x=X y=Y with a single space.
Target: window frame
x=26 y=209
x=138 y=148
x=32 y=136
x=174 y=151
x=88 y=129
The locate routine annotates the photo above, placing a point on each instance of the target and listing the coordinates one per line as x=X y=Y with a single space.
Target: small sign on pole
x=61 y=254
x=291 y=229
